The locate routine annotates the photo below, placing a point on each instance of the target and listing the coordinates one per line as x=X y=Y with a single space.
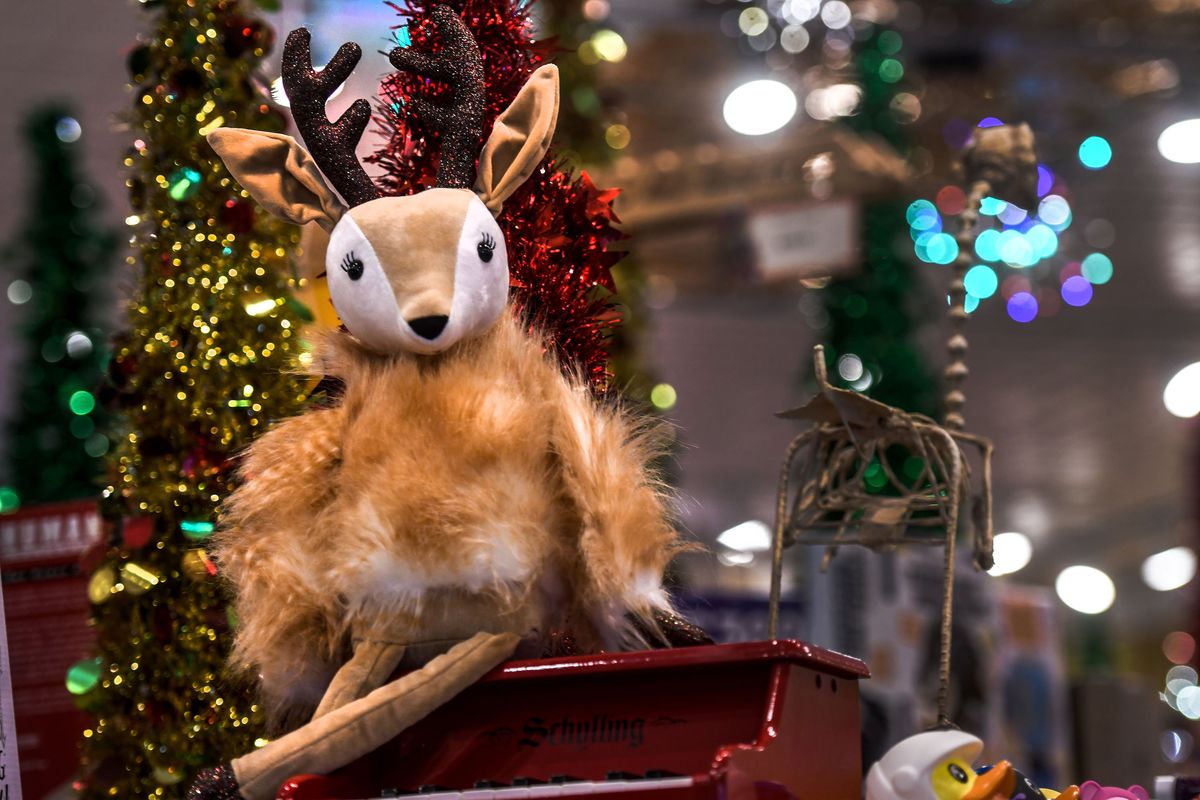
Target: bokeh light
x=68 y=130
x=1179 y=647
x=1043 y=240
x=1015 y=249
x=987 y=245
x=1012 y=215
x=663 y=396
x=1085 y=589
x=1095 y=152
x=981 y=281
x=951 y=200
x=81 y=402
x=1076 y=291
x=609 y=45
x=1023 y=307
x=1011 y=552
x=1097 y=268
x=19 y=292
x=850 y=367
x=1045 y=180
x=836 y=15
x=1177 y=746
x=1181 y=142
x=1170 y=569
x=753 y=21
x=991 y=206
x=1182 y=393
x=937 y=248
x=794 y=38
x=1054 y=210
x=751 y=536
x=921 y=215
x=759 y=107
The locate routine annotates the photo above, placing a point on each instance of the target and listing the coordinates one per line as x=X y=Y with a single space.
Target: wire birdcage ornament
x=849 y=489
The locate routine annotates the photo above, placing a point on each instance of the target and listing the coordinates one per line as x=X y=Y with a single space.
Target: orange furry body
x=474 y=490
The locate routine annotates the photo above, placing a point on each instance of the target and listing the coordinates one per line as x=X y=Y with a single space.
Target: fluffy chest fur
x=447 y=487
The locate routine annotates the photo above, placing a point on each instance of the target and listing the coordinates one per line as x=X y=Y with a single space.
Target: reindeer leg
x=358 y=727
x=371 y=665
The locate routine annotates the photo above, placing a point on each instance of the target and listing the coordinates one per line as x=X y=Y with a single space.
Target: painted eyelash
x=488 y=241
x=352 y=265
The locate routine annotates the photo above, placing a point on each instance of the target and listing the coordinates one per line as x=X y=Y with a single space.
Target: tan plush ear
x=519 y=139
x=279 y=174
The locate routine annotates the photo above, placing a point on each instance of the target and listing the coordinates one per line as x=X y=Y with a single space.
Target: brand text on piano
x=582 y=733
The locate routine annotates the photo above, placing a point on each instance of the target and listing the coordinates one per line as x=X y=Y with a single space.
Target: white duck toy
x=936 y=766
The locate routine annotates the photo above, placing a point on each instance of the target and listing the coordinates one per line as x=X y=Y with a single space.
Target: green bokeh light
x=81 y=402
x=1097 y=268
x=83 y=676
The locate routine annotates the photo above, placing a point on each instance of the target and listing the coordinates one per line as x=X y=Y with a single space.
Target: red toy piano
x=759 y=721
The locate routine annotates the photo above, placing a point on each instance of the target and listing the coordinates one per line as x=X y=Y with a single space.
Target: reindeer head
x=415 y=273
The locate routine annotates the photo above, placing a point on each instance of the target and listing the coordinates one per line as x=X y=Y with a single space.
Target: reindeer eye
x=352 y=265
x=486 y=247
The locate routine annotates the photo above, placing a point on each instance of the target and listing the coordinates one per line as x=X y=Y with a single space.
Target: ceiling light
x=750 y=536
x=1181 y=142
x=1169 y=569
x=1011 y=552
x=1085 y=589
x=759 y=107
x=1182 y=395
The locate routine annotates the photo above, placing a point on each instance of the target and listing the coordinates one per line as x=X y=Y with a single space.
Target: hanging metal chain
x=955 y=399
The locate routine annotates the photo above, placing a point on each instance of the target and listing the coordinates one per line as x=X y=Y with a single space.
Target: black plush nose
x=428 y=327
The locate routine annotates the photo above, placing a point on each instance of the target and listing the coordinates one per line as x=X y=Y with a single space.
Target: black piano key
x=489 y=785
x=565 y=779
x=430 y=788
x=618 y=775
x=391 y=793
x=523 y=780
x=662 y=773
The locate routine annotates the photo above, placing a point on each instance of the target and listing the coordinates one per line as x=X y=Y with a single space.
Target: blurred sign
x=805 y=241
x=46 y=614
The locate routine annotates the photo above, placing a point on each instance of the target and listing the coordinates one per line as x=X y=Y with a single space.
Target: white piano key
x=551 y=790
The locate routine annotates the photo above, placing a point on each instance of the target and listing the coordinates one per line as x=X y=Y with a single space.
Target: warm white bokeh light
x=1182 y=395
x=1169 y=569
x=748 y=537
x=1011 y=552
x=759 y=107
x=1181 y=142
x=1085 y=589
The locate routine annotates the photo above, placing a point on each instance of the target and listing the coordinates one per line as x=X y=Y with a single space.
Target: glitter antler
x=460 y=123
x=331 y=143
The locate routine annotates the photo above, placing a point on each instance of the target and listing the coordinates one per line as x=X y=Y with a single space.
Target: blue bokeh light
x=1095 y=152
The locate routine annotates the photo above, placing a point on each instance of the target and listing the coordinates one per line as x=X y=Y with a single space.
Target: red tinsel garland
x=558 y=226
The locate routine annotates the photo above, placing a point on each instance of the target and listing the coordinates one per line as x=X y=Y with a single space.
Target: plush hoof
x=215 y=783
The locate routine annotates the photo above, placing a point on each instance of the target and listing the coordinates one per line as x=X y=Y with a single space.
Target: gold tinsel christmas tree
x=204 y=367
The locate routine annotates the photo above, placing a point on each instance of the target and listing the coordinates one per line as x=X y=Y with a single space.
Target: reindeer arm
x=625 y=539
x=269 y=550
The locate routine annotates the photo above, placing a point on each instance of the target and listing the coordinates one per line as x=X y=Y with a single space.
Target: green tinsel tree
x=872 y=315
x=60 y=268
x=203 y=369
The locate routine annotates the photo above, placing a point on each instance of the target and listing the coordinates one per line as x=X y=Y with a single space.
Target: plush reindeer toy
x=464 y=497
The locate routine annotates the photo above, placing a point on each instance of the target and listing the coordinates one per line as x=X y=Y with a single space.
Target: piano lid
x=788 y=650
